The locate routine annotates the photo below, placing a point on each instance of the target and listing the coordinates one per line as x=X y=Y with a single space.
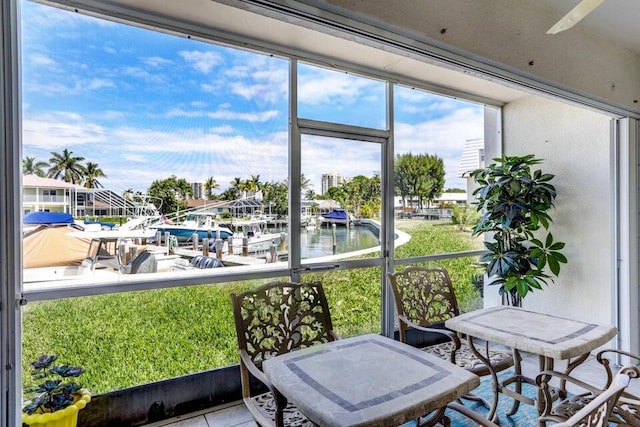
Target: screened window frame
x=306 y=126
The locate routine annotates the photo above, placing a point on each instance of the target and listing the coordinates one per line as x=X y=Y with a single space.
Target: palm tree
x=91 y=175
x=237 y=185
x=32 y=167
x=229 y=194
x=243 y=187
x=209 y=186
x=254 y=183
x=66 y=166
x=305 y=182
x=310 y=195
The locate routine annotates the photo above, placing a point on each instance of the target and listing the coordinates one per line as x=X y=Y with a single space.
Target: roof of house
x=38 y=181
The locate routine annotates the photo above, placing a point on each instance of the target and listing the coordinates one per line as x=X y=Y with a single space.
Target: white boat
x=201 y=223
x=53 y=254
x=253 y=235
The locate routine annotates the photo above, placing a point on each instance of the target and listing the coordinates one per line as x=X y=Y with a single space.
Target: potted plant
x=514 y=201
x=56 y=400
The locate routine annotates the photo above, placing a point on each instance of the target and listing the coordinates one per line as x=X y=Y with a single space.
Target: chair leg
x=493 y=413
x=435 y=418
x=476 y=398
x=517 y=367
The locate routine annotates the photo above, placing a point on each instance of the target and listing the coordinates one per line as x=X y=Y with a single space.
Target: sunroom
x=277 y=90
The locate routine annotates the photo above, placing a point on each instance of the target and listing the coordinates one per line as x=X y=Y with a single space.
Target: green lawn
x=139 y=337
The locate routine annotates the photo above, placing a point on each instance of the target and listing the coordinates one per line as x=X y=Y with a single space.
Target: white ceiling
x=614 y=20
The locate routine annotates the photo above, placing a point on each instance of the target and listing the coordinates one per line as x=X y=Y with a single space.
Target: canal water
x=319 y=242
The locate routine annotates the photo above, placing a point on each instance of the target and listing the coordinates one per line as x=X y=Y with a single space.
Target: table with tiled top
x=551 y=337
x=368 y=380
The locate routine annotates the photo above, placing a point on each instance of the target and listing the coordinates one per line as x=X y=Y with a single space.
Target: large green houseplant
x=514 y=201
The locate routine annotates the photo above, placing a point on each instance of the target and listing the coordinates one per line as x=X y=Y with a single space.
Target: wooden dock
x=226 y=258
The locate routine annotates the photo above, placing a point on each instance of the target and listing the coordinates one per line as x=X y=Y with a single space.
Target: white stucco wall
x=575 y=145
x=513 y=33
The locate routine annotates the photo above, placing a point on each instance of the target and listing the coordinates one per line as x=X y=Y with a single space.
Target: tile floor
x=236 y=415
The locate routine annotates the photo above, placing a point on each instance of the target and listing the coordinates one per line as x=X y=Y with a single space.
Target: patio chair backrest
x=425 y=296
x=596 y=413
x=280 y=317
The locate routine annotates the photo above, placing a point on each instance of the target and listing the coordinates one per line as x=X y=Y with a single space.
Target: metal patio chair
x=597 y=413
x=424 y=299
x=270 y=320
x=626 y=411
x=594 y=408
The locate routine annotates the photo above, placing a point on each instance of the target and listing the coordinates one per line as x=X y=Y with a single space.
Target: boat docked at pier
x=336 y=216
x=201 y=223
x=65 y=253
x=252 y=237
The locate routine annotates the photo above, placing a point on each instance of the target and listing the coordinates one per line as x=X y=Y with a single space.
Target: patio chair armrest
x=549 y=392
x=254 y=370
x=479 y=419
x=544 y=377
x=604 y=361
x=450 y=334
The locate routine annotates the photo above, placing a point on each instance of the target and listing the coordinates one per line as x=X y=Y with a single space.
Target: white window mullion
x=295 y=169
x=388 y=226
x=625 y=282
x=10 y=216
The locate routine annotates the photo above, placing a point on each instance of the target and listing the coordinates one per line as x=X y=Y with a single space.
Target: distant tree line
x=417 y=176
x=66 y=167
x=420 y=177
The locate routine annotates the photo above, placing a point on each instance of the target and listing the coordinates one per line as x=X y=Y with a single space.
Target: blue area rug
x=527 y=415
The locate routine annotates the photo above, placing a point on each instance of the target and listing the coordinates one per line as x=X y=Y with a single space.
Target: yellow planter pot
x=67 y=417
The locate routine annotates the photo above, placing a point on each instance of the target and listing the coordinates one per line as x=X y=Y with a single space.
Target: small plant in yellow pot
x=55 y=402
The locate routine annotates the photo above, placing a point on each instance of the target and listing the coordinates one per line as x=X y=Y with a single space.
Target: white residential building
x=47 y=194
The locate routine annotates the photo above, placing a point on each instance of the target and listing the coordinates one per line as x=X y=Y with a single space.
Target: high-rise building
x=331 y=180
x=198 y=190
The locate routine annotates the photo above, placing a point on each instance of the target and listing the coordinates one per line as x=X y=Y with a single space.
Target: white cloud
x=156 y=61
x=147 y=155
x=202 y=62
x=444 y=137
x=112 y=115
x=110 y=50
x=259 y=116
x=221 y=129
x=210 y=88
x=178 y=112
x=327 y=155
x=50 y=88
x=136 y=158
x=63 y=130
x=321 y=87
x=94 y=84
x=41 y=60
x=77 y=87
x=238 y=71
x=142 y=74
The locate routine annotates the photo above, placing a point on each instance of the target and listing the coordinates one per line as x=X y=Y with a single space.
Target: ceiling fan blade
x=576 y=14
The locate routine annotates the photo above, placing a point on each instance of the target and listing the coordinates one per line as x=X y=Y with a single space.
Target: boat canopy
x=337 y=214
x=53 y=247
x=48 y=218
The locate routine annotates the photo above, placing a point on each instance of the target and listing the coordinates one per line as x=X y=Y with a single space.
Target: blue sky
x=145 y=105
